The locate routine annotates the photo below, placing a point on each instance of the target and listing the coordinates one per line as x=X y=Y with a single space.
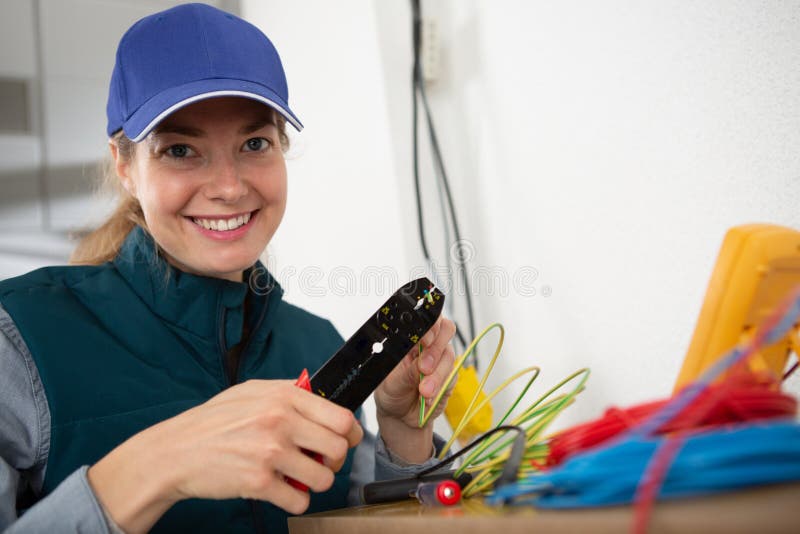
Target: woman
x=150 y=386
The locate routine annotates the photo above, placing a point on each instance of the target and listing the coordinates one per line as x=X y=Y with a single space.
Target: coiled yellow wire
x=487 y=460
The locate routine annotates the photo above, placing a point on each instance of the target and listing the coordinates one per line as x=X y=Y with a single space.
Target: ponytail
x=103 y=243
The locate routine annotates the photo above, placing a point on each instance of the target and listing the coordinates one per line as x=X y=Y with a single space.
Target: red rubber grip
x=304 y=382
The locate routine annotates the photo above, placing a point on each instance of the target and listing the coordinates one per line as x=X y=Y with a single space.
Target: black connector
x=511 y=467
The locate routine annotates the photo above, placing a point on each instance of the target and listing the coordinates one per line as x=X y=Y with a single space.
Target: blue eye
x=256 y=144
x=178 y=151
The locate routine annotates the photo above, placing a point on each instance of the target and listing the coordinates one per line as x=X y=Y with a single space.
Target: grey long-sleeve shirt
x=73 y=506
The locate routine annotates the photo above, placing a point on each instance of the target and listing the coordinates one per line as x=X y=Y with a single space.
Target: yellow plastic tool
x=465 y=389
x=757 y=267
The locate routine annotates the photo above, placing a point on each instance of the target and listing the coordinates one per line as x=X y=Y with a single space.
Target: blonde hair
x=103 y=243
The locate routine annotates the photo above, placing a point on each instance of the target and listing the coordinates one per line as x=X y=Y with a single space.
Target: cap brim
x=159 y=107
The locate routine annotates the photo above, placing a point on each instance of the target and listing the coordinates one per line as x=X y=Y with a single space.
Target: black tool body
x=403 y=488
x=353 y=373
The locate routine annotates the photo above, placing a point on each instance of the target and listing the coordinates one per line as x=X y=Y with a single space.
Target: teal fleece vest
x=124 y=345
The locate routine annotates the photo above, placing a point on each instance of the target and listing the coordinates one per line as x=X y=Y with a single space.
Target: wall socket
x=430 y=51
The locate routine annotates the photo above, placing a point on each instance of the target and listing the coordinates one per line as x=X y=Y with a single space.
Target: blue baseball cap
x=188 y=53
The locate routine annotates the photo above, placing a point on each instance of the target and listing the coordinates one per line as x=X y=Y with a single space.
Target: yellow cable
x=460 y=361
x=489 y=471
x=534 y=420
x=471 y=413
x=549 y=411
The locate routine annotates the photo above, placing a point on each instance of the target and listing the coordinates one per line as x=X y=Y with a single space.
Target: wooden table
x=764 y=510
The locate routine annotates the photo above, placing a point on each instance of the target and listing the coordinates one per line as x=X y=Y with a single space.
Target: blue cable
x=721 y=459
x=732 y=457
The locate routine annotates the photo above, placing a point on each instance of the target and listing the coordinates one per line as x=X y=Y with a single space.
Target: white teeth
x=223 y=224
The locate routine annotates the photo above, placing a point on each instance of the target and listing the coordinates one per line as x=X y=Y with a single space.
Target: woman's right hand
x=241 y=443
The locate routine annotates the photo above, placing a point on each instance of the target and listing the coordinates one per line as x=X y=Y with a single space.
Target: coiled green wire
x=487 y=460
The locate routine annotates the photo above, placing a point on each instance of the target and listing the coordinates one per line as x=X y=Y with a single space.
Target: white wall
x=607 y=145
x=65 y=50
x=343 y=220
x=340 y=251
x=20 y=152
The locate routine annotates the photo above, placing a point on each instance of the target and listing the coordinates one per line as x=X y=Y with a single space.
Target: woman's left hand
x=397 y=398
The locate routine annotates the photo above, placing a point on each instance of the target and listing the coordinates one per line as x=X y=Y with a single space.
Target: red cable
x=740 y=396
x=743 y=397
x=651 y=481
x=701 y=409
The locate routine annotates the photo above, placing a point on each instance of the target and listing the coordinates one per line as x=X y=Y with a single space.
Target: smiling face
x=211 y=180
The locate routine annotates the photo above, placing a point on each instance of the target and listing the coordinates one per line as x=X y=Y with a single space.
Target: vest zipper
x=246 y=345
x=222 y=350
x=258 y=520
